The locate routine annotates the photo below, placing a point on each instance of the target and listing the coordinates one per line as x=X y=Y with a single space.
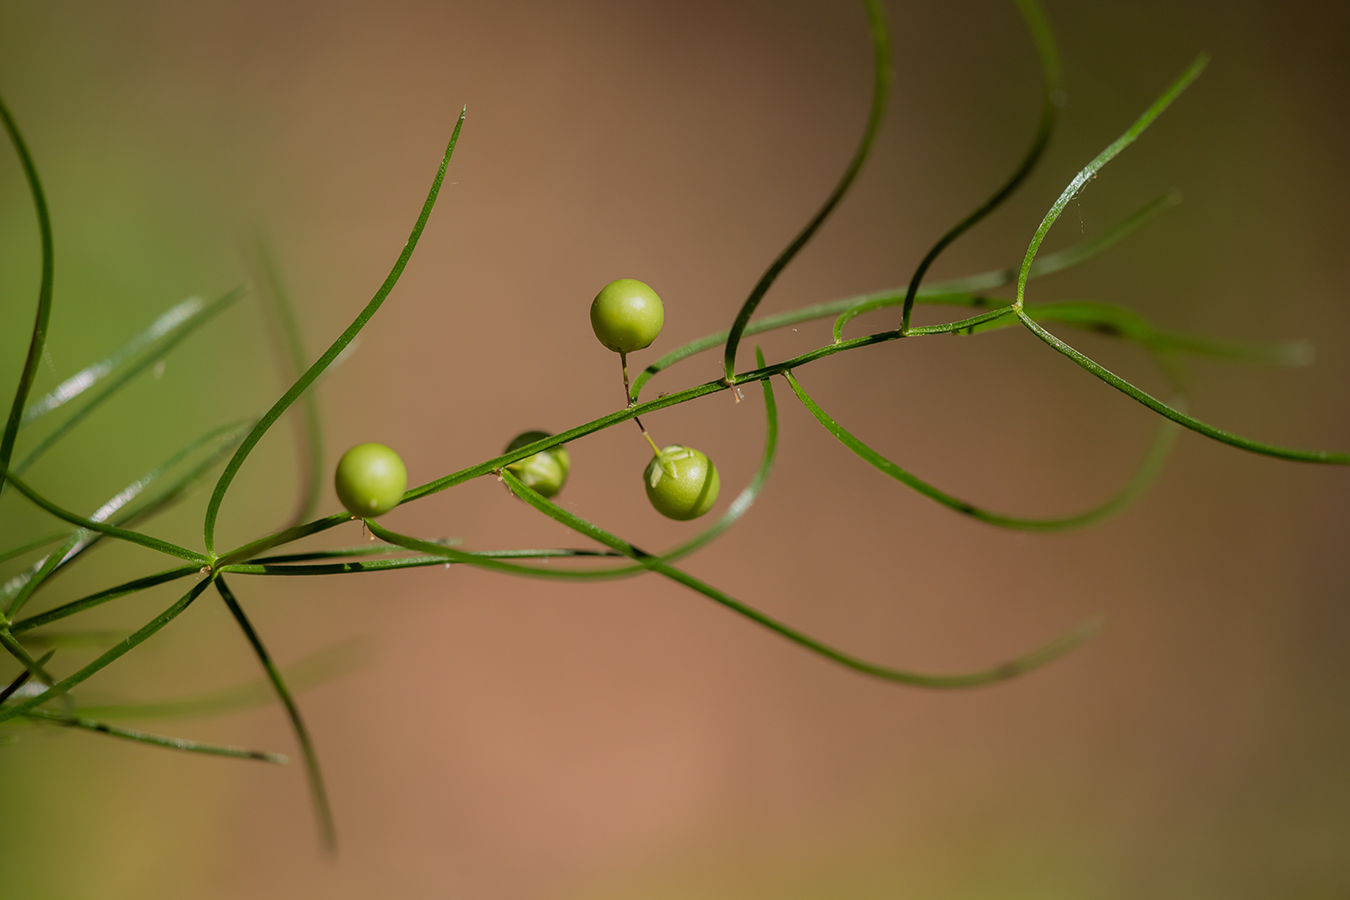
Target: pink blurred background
x=509 y=739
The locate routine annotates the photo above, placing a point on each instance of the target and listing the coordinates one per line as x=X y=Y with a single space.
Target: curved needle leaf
x=132 y=641
x=1010 y=669
x=157 y=740
x=965 y=291
x=100 y=597
x=191 y=310
x=116 y=511
x=1081 y=252
x=33 y=545
x=1116 y=321
x=118 y=380
x=324 y=361
x=19 y=588
x=1176 y=415
x=1090 y=170
x=1007 y=670
x=134 y=537
x=1041 y=33
x=959 y=292
x=1148 y=469
x=881 y=80
x=1101 y=372
x=322 y=811
x=44 y=304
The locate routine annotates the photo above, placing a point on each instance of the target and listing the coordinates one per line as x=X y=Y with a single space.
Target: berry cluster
x=681 y=482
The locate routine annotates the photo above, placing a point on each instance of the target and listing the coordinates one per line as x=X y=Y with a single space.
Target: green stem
x=117 y=652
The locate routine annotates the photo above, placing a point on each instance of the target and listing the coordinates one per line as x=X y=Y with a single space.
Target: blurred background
x=509 y=739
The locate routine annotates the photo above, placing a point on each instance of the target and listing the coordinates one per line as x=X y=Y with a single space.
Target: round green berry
x=681 y=483
x=370 y=480
x=546 y=471
x=627 y=315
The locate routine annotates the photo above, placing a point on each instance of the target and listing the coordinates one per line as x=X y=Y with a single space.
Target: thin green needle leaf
x=1083 y=251
x=329 y=355
x=1041 y=33
x=1143 y=476
x=966 y=291
x=193 y=310
x=322 y=811
x=343 y=568
x=291 y=354
x=881 y=80
x=134 y=537
x=1117 y=322
x=1090 y=170
x=127 y=645
x=87 y=540
x=263 y=567
x=44 y=304
x=22 y=678
x=157 y=740
x=1010 y=669
x=120 y=379
x=287 y=536
x=115 y=510
x=1209 y=431
x=960 y=292
x=69 y=639
x=1120 y=384
x=317 y=668
x=337 y=553
x=16 y=650
x=33 y=545
x=25 y=584
x=449 y=554
x=100 y=597
x=1007 y=670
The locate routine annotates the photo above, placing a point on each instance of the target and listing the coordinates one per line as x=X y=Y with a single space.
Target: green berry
x=370 y=480
x=627 y=315
x=546 y=471
x=681 y=483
